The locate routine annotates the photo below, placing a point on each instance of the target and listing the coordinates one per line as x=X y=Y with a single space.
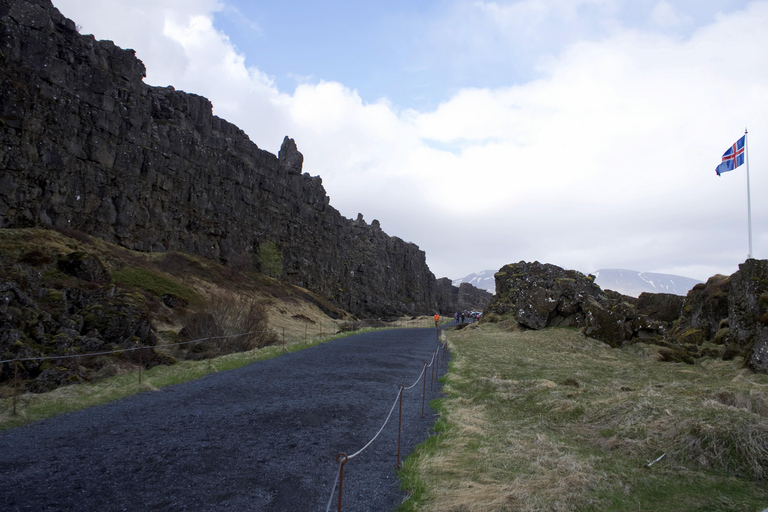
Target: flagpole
x=749 y=200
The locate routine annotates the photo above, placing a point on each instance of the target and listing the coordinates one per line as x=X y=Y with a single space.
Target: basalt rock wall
x=730 y=311
x=462 y=298
x=86 y=144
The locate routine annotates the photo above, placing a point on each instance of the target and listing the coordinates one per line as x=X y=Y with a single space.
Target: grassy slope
x=292 y=312
x=551 y=420
x=194 y=278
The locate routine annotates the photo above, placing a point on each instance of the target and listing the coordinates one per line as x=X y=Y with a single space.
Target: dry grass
x=551 y=420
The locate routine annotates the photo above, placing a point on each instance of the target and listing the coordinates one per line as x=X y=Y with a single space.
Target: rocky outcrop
x=725 y=317
x=660 y=306
x=462 y=298
x=41 y=316
x=540 y=295
x=730 y=312
x=86 y=145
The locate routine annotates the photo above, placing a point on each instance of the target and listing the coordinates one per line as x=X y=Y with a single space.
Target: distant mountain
x=633 y=283
x=483 y=280
x=626 y=282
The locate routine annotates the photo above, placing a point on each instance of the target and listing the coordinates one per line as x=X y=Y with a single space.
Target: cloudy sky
x=583 y=133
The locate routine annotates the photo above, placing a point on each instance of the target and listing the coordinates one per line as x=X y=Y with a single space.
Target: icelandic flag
x=732 y=158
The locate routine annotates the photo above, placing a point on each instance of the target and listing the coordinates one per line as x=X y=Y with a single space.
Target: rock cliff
x=86 y=144
x=465 y=297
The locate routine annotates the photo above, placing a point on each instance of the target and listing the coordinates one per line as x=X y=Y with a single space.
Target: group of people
x=472 y=316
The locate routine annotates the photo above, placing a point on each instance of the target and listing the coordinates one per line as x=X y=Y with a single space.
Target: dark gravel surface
x=263 y=437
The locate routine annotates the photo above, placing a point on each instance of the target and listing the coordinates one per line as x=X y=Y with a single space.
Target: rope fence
x=293 y=334
x=364 y=324
x=130 y=349
x=342 y=458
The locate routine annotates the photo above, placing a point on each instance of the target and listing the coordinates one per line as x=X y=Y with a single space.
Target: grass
x=552 y=420
x=153 y=283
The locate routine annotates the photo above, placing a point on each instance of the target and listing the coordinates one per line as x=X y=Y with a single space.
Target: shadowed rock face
x=85 y=144
x=540 y=295
x=731 y=311
x=661 y=306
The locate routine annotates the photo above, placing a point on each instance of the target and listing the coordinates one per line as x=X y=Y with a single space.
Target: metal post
x=749 y=196
x=432 y=375
x=400 y=425
x=305 y=333
x=424 y=391
x=140 y=365
x=283 y=337
x=341 y=473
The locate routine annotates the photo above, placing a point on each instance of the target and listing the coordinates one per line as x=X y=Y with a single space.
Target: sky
x=582 y=133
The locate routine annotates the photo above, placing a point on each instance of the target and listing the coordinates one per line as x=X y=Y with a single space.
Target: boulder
x=540 y=295
x=730 y=311
x=666 y=307
x=748 y=312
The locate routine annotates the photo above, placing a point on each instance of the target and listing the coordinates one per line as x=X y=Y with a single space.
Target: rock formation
x=731 y=312
x=725 y=317
x=540 y=295
x=86 y=144
x=465 y=297
x=40 y=318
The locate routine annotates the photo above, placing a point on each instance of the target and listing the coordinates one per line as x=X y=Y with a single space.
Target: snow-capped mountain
x=483 y=280
x=626 y=282
x=633 y=283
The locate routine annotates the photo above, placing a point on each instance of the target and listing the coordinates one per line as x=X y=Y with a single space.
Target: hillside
x=65 y=293
x=87 y=145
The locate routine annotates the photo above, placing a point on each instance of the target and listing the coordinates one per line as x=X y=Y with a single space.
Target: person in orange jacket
x=437 y=319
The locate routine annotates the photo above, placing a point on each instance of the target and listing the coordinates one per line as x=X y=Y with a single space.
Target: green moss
x=153 y=283
x=269 y=259
x=54 y=296
x=692 y=336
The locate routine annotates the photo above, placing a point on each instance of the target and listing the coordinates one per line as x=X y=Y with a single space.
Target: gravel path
x=263 y=437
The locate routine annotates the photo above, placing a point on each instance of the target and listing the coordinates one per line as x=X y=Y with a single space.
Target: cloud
x=604 y=160
x=665 y=15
